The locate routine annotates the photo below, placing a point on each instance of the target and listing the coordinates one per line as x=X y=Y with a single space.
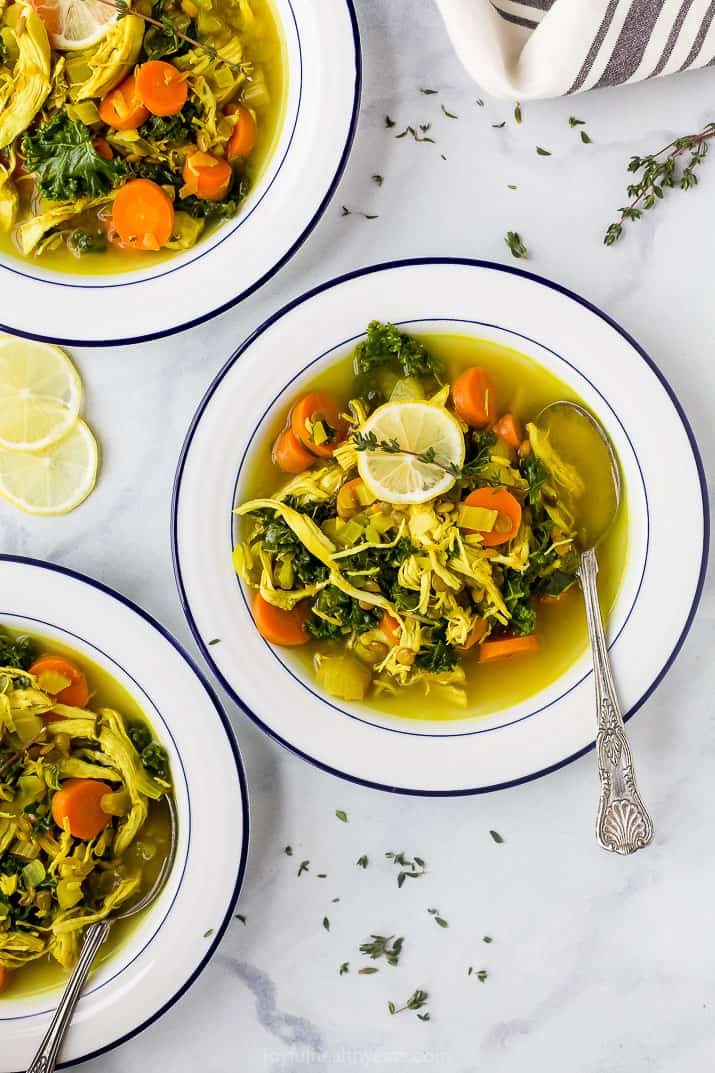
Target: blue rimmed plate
x=323 y=73
x=565 y=335
x=175 y=937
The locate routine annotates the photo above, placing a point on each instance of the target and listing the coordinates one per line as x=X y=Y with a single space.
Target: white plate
x=665 y=566
x=169 y=946
x=324 y=73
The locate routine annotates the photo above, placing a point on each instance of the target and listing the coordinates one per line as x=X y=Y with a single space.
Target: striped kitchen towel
x=545 y=48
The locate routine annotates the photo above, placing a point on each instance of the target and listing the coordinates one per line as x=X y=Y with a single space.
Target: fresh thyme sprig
x=169 y=26
x=369 y=442
x=659 y=171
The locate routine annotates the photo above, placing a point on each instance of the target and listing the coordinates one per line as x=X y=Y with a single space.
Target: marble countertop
x=597 y=963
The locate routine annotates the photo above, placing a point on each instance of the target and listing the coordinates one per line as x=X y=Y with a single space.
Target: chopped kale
x=202 y=209
x=155 y=760
x=157 y=173
x=16 y=651
x=66 y=164
x=386 y=345
x=345 y=614
x=173 y=129
x=279 y=538
x=437 y=655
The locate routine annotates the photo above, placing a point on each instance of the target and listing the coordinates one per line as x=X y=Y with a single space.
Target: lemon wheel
x=40 y=394
x=54 y=480
x=417 y=427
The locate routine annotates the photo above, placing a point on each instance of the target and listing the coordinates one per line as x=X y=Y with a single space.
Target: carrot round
x=508 y=519
x=508 y=428
x=4 y=977
x=123 y=108
x=318 y=413
x=79 y=802
x=243 y=138
x=474 y=397
x=143 y=215
x=161 y=88
x=391 y=628
x=206 y=176
x=347 y=502
x=77 y=693
x=508 y=646
x=281 y=627
x=291 y=455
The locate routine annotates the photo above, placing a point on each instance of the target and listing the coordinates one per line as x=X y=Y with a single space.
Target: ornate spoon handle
x=44 y=1060
x=623 y=824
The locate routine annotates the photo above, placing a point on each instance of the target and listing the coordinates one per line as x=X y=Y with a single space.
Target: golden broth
x=265 y=46
x=45 y=974
x=525 y=388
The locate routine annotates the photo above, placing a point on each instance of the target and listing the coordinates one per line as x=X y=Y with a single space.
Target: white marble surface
x=597 y=963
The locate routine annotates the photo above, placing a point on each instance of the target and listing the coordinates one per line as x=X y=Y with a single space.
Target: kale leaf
x=16 y=651
x=155 y=760
x=279 y=538
x=202 y=209
x=517 y=594
x=65 y=162
x=172 y=129
x=346 y=612
x=436 y=655
x=156 y=172
x=385 y=344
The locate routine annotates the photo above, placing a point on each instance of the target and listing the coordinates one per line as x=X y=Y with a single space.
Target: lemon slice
x=417 y=427
x=55 y=480
x=40 y=394
x=78 y=24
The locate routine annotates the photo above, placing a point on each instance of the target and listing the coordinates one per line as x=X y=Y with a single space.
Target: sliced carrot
x=318 y=413
x=76 y=694
x=508 y=646
x=103 y=147
x=161 y=88
x=290 y=454
x=206 y=176
x=391 y=628
x=347 y=502
x=474 y=397
x=508 y=428
x=508 y=519
x=122 y=108
x=4 y=977
x=475 y=635
x=281 y=627
x=79 y=801
x=243 y=138
x=143 y=215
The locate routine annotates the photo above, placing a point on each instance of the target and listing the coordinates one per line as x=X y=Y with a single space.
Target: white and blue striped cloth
x=546 y=48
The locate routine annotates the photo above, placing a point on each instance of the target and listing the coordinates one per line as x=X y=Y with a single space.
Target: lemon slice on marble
x=54 y=480
x=40 y=394
x=417 y=427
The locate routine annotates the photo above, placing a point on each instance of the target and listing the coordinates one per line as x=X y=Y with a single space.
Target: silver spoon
x=46 y=1056
x=623 y=824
